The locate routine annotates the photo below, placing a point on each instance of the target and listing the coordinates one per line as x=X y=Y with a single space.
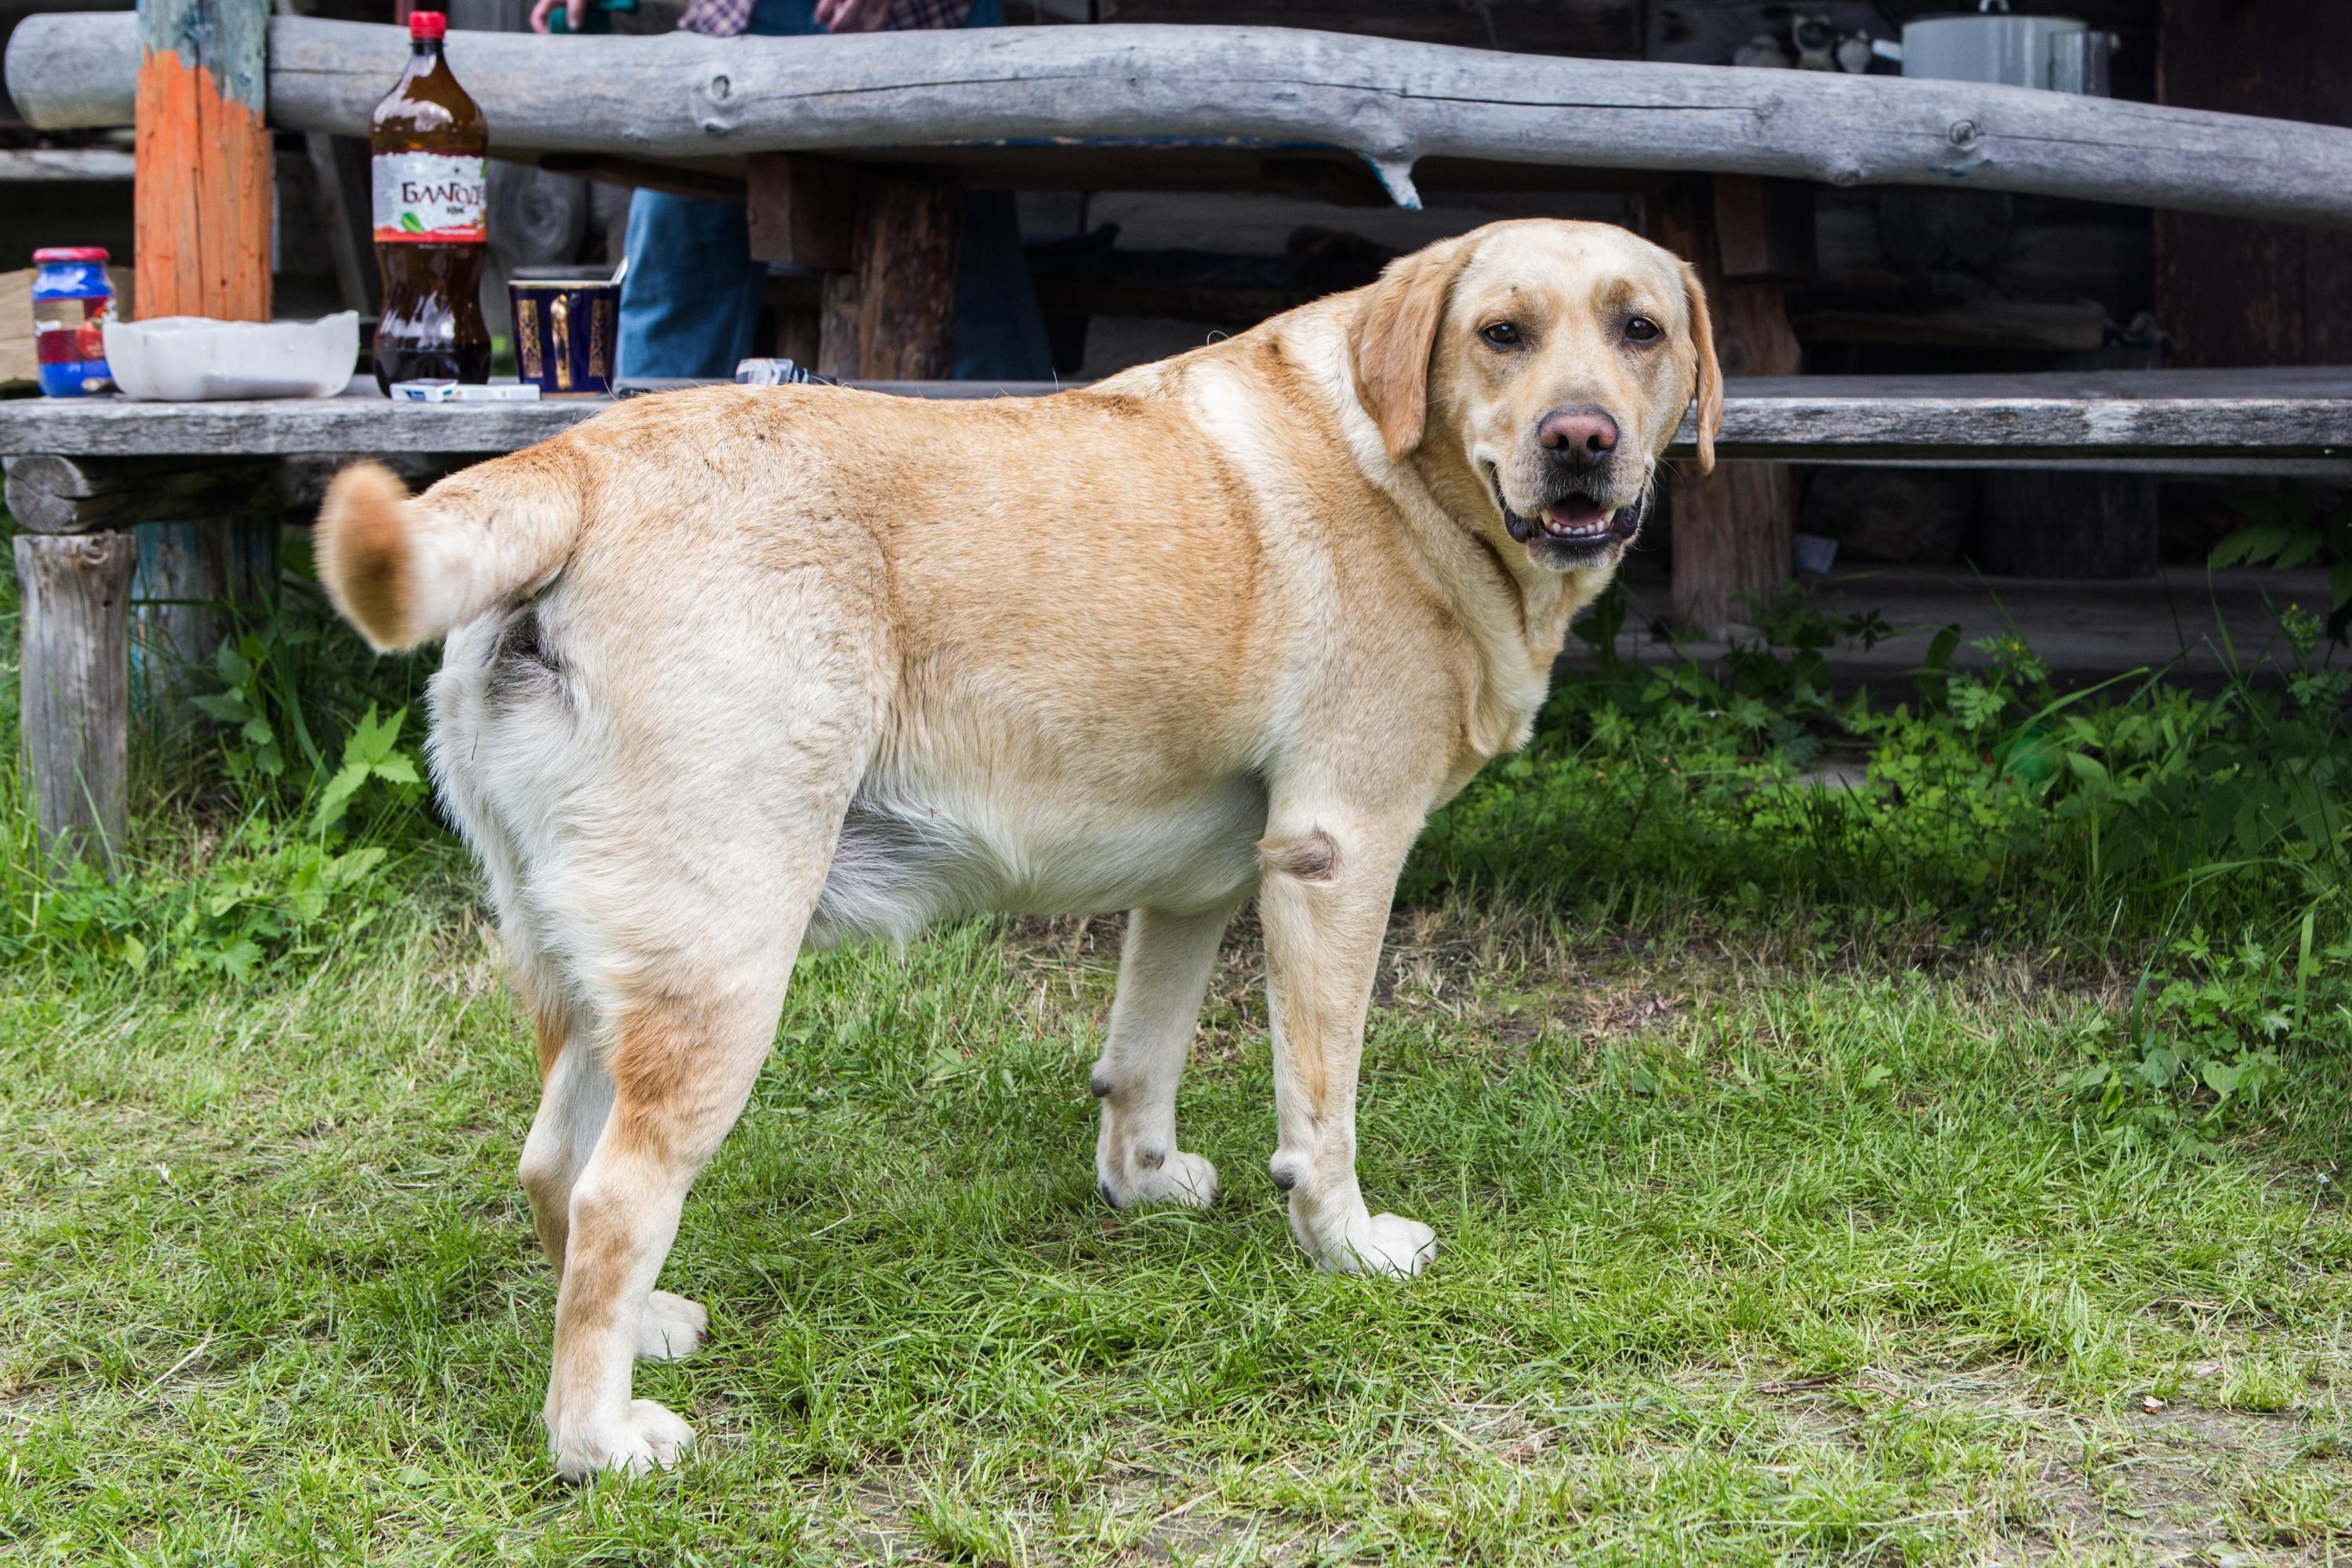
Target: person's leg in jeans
x=690 y=302
x=691 y=298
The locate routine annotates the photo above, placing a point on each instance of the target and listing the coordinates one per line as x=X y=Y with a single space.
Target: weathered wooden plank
x=683 y=96
x=76 y=686
x=203 y=159
x=2222 y=417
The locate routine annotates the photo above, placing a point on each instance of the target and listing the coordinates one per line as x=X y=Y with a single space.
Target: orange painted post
x=202 y=198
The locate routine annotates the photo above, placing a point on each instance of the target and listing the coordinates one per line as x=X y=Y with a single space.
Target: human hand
x=575 y=14
x=851 y=15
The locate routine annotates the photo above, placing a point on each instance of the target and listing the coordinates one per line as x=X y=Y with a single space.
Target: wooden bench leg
x=1732 y=530
x=76 y=686
x=891 y=317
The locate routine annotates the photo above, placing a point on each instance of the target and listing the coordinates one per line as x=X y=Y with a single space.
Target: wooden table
x=84 y=472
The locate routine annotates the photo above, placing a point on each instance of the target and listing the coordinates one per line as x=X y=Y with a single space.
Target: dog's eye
x=1502 y=334
x=1642 y=329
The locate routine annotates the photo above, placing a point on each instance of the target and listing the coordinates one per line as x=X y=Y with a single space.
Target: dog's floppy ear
x=1395 y=329
x=1710 y=374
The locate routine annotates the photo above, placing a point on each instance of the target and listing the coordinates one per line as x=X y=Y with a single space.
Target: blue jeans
x=691 y=299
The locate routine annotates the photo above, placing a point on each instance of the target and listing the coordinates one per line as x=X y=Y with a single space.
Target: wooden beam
x=682 y=96
x=76 y=686
x=1763 y=230
x=803 y=211
x=202 y=206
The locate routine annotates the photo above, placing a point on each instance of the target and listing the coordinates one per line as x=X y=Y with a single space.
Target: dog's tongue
x=1576 y=517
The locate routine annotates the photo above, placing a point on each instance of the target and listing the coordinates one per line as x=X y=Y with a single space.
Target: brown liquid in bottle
x=430 y=183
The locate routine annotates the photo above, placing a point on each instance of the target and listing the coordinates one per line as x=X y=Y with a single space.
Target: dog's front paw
x=671 y=1328
x=647 y=1438
x=1179 y=1178
x=1384 y=1244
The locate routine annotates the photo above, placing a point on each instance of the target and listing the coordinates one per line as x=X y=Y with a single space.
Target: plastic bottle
x=431 y=180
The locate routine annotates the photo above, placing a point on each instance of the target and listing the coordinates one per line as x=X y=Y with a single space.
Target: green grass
x=1821 y=1176
x=1748 y=1254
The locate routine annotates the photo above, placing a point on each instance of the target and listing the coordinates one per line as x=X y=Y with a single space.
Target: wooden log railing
x=682 y=98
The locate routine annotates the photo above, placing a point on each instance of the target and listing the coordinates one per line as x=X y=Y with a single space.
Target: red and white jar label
x=422 y=198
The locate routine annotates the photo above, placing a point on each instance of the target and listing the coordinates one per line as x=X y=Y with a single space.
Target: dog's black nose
x=1578 y=434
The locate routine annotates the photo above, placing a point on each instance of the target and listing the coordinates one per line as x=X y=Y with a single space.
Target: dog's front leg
x=1323 y=904
x=1164 y=969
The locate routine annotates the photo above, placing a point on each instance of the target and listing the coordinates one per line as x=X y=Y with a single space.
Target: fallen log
x=684 y=96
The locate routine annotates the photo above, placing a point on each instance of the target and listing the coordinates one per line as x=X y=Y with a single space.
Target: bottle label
x=429 y=196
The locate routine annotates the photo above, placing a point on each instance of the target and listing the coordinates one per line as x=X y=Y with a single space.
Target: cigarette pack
x=458 y=392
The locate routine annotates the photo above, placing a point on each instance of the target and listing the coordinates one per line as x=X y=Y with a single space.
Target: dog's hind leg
x=688 y=1014
x=1164 y=969
x=573 y=1102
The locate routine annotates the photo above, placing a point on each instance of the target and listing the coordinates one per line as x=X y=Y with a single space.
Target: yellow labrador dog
x=737 y=670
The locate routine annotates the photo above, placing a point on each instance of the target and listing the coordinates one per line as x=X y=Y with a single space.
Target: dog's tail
x=404 y=569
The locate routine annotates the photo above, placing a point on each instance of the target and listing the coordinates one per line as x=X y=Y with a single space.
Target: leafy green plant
x=2290 y=530
x=291 y=845
x=2100 y=824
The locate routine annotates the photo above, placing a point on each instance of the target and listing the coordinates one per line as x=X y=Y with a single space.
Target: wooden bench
x=84 y=472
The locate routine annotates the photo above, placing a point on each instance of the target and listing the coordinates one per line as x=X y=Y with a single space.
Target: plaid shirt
x=727 y=18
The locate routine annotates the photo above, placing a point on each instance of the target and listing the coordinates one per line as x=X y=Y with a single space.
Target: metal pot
x=2062 y=54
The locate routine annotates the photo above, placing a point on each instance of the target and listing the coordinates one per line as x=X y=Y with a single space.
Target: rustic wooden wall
x=2234 y=293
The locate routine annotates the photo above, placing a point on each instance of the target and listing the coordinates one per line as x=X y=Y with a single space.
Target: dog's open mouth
x=1573 y=520
x=1578 y=518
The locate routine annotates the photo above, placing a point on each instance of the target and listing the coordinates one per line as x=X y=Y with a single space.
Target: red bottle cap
x=428 y=24
x=70 y=253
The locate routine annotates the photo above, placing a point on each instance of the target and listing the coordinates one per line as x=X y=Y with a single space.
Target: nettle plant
x=279 y=850
x=2117 y=825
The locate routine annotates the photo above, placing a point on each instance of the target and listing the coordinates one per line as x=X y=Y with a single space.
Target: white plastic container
x=195 y=359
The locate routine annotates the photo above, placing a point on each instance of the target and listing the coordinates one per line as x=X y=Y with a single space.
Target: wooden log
x=202 y=208
x=685 y=96
x=76 y=687
x=50 y=494
x=63 y=494
x=892 y=316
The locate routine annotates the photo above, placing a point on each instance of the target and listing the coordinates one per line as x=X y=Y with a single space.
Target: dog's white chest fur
x=909 y=856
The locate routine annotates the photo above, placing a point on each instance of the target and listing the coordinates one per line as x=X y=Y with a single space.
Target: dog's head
x=1535 y=370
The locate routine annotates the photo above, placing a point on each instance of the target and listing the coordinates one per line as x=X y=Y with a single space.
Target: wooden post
x=76 y=680
x=200 y=229
x=1732 y=529
x=202 y=162
x=891 y=317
